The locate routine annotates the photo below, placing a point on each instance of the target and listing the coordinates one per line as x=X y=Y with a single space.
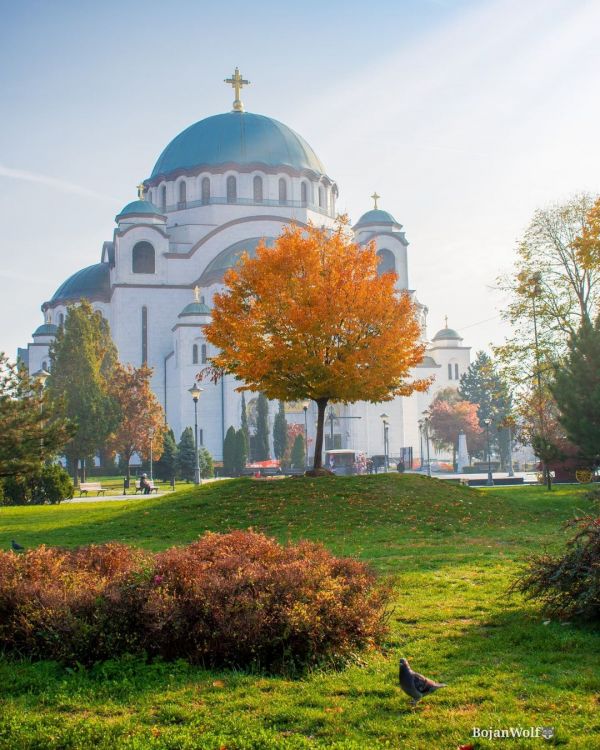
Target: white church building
x=219 y=188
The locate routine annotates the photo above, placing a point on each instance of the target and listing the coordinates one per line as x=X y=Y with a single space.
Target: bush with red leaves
x=238 y=600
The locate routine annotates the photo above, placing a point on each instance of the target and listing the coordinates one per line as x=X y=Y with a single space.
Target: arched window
x=144 y=335
x=205 y=190
x=195 y=354
x=163 y=196
x=387 y=262
x=142 y=258
x=182 y=194
x=282 y=190
x=320 y=197
x=45 y=365
x=231 y=189
x=61 y=319
x=456 y=371
x=257 y=184
x=332 y=202
x=449 y=371
x=304 y=193
x=203 y=350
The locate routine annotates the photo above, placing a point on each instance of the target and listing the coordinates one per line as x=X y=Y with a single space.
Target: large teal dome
x=237 y=138
x=92 y=282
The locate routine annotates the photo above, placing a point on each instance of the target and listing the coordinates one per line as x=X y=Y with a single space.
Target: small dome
x=228 y=257
x=428 y=361
x=46 y=329
x=195 y=308
x=376 y=216
x=92 y=282
x=447 y=333
x=237 y=138
x=137 y=208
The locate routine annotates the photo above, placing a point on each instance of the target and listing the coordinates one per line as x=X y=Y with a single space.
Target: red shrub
x=235 y=599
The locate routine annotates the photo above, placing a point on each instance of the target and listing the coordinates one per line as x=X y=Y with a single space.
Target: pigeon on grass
x=415 y=685
x=16 y=546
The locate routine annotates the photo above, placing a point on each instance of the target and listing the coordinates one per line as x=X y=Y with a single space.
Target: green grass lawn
x=452 y=553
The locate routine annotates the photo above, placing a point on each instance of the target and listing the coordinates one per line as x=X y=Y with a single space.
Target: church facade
x=219 y=188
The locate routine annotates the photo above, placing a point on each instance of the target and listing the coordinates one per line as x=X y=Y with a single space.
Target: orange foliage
x=311 y=318
x=141 y=416
x=588 y=245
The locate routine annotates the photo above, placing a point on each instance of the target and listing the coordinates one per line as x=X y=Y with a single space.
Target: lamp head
x=195 y=392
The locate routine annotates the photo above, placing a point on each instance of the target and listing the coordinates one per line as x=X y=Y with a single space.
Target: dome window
x=282 y=191
x=387 y=262
x=304 y=193
x=321 y=197
x=182 y=195
x=231 y=189
x=257 y=185
x=205 y=191
x=203 y=354
x=195 y=354
x=142 y=259
x=163 y=197
x=61 y=319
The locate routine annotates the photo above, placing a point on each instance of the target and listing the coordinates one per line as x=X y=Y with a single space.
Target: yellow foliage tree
x=141 y=417
x=588 y=243
x=310 y=318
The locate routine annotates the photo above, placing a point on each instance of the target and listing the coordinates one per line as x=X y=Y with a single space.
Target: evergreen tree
x=244 y=424
x=186 y=455
x=32 y=428
x=83 y=356
x=262 y=428
x=229 y=447
x=298 y=455
x=280 y=432
x=483 y=385
x=240 y=453
x=166 y=467
x=576 y=388
x=206 y=464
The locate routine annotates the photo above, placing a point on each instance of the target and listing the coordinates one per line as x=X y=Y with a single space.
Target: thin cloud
x=52 y=182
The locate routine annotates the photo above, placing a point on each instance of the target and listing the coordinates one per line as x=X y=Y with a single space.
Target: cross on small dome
x=237 y=83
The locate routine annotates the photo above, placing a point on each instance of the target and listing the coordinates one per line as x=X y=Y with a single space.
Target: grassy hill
x=452 y=553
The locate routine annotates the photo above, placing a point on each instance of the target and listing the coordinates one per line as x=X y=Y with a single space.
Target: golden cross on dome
x=446 y=319
x=237 y=82
x=140 y=189
x=197 y=293
x=375 y=199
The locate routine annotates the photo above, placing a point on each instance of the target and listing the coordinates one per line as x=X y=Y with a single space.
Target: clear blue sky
x=464 y=116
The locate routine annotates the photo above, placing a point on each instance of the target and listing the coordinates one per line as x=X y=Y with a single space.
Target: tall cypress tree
x=298 y=456
x=186 y=455
x=229 y=453
x=82 y=358
x=166 y=467
x=280 y=436
x=244 y=424
x=262 y=428
x=240 y=452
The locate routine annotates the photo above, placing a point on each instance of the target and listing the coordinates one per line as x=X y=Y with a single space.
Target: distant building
x=217 y=189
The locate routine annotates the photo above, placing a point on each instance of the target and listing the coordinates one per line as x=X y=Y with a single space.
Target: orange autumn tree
x=141 y=417
x=310 y=318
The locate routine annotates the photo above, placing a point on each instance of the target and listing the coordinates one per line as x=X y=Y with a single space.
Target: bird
x=415 y=685
x=16 y=546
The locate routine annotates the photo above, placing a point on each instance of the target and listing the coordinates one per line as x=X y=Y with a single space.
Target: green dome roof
x=228 y=257
x=447 y=333
x=92 y=282
x=237 y=138
x=195 y=308
x=46 y=329
x=139 y=207
x=376 y=216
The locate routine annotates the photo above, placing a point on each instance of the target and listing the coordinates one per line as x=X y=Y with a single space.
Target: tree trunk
x=75 y=470
x=128 y=468
x=321 y=405
x=547 y=475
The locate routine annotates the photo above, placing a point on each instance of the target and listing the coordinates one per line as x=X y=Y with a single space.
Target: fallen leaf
x=218 y=684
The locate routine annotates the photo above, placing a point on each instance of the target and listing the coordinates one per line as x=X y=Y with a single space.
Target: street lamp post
x=384 y=418
x=420 y=423
x=305 y=410
x=195 y=392
x=490 y=478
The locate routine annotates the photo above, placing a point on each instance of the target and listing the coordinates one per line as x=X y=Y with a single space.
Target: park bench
x=95 y=487
x=138 y=487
